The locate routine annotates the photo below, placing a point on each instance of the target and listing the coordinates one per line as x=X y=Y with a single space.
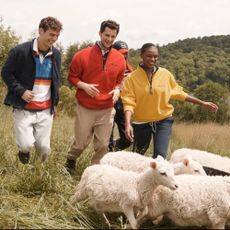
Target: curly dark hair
x=111 y=24
x=50 y=23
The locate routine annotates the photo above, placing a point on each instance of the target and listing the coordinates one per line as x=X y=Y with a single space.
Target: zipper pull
x=151 y=89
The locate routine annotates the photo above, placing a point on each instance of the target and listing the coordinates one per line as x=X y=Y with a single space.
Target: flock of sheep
x=145 y=188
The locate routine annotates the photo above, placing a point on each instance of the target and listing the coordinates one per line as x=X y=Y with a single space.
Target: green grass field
x=37 y=196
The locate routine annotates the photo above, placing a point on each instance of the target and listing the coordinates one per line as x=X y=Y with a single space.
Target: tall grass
x=37 y=196
x=211 y=137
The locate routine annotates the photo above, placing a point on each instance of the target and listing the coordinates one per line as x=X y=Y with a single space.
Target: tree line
x=201 y=65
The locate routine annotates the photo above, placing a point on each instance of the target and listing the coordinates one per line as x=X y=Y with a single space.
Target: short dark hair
x=50 y=23
x=111 y=24
x=147 y=46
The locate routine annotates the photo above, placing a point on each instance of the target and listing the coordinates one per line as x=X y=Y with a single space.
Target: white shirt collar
x=35 y=49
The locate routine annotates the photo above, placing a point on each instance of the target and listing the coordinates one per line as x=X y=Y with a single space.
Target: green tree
x=71 y=50
x=219 y=95
x=210 y=91
x=134 y=58
x=8 y=40
x=67 y=101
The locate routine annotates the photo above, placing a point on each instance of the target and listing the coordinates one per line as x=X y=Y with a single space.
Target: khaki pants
x=96 y=123
x=33 y=129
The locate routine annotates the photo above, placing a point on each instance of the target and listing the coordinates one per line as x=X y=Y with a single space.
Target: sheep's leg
x=228 y=223
x=218 y=226
x=216 y=221
x=142 y=216
x=130 y=216
x=158 y=220
x=106 y=220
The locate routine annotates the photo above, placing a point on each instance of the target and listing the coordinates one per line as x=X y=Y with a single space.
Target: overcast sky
x=160 y=22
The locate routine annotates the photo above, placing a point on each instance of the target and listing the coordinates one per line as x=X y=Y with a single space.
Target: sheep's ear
x=153 y=164
x=186 y=161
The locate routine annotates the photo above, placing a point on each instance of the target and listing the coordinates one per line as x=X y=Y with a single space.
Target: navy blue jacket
x=18 y=73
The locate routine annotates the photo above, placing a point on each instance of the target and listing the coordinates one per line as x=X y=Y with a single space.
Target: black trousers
x=122 y=142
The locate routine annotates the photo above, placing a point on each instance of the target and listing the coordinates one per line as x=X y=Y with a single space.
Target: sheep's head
x=188 y=166
x=164 y=173
x=194 y=167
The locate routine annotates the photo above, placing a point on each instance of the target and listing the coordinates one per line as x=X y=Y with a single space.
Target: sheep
x=198 y=201
x=111 y=189
x=136 y=162
x=212 y=163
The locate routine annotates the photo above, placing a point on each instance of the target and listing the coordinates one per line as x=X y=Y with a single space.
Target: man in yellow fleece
x=146 y=95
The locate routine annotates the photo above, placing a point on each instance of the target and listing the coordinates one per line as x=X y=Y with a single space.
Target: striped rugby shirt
x=42 y=83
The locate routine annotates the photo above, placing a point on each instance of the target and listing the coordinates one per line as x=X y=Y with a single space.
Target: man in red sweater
x=97 y=73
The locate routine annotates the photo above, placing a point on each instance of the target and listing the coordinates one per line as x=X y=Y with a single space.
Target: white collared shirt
x=35 y=49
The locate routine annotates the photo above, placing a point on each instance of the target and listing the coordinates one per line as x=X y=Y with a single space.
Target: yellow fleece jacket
x=147 y=107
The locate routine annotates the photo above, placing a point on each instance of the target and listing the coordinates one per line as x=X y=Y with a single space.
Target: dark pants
x=161 y=131
x=121 y=143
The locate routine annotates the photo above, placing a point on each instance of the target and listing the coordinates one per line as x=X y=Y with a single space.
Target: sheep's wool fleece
x=198 y=201
x=205 y=158
x=125 y=160
x=131 y=161
x=106 y=187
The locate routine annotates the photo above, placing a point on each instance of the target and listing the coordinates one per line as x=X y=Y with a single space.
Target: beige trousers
x=33 y=129
x=92 y=123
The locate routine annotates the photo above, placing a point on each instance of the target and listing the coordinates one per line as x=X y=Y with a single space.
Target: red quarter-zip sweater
x=87 y=66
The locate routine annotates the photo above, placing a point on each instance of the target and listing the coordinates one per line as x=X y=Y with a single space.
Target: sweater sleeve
x=58 y=72
x=75 y=70
x=121 y=76
x=177 y=92
x=128 y=95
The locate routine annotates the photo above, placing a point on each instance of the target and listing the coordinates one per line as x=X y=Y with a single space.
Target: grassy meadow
x=37 y=196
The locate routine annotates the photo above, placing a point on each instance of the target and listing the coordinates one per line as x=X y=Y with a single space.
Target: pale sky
x=141 y=21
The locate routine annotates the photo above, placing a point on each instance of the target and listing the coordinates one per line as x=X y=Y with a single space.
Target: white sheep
x=198 y=201
x=111 y=189
x=136 y=162
x=207 y=159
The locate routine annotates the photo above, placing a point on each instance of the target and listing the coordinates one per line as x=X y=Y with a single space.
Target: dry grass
x=210 y=137
x=37 y=196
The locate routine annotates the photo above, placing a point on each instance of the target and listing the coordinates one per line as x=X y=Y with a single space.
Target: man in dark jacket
x=122 y=142
x=32 y=73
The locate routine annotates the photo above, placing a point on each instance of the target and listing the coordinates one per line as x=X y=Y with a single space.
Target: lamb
x=111 y=189
x=136 y=162
x=212 y=163
x=198 y=201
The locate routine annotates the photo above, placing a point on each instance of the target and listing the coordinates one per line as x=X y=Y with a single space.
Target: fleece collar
x=104 y=52
x=154 y=70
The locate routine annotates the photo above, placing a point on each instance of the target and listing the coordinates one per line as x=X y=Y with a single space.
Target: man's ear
x=41 y=31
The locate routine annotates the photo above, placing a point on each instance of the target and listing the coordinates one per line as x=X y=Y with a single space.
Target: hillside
x=195 y=61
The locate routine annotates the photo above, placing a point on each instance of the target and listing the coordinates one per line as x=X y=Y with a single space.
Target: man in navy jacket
x=32 y=73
